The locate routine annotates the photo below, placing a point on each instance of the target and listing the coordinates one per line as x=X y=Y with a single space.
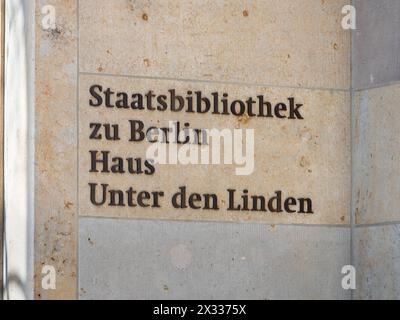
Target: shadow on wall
x=17 y=284
x=18 y=151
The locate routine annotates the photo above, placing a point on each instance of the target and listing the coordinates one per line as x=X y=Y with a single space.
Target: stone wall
x=281 y=48
x=376 y=94
x=336 y=155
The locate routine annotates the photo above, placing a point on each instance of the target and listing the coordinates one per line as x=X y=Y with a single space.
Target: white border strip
x=19 y=149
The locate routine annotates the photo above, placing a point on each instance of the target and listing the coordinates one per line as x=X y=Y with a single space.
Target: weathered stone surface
x=376 y=44
x=304 y=158
x=286 y=43
x=375 y=149
x=56 y=150
x=377 y=261
x=128 y=259
x=277 y=48
x=376 y=155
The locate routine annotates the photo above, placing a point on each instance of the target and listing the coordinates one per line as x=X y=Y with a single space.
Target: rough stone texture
x=56 y=145
x=377 y=262
x=376 y=44
x=127 y=259
x=376 y=63
x=273 y=42
x=303 y=158
x=376 y=155
x=280 y=48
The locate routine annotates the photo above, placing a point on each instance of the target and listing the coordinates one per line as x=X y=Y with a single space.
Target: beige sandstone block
x=55 y=150
x=302 y=158
x=273 y=42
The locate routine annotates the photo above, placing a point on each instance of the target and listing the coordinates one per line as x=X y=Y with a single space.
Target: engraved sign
x=176 y=150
